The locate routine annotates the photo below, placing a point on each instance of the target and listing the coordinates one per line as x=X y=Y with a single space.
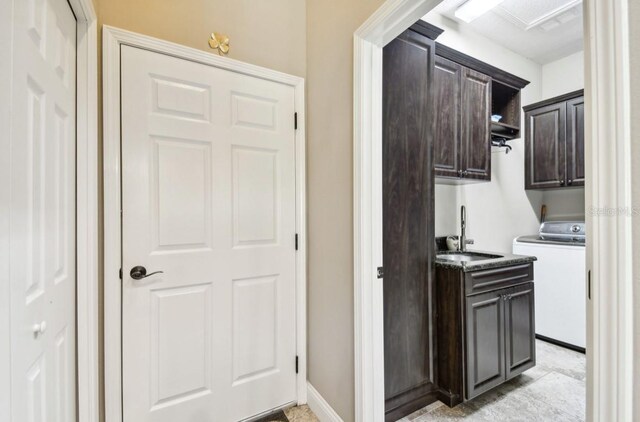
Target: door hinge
x=296 y=241
x=589 y=285
x=296 y=364
x=295 y=121
x=380 y=272
x=120 y=273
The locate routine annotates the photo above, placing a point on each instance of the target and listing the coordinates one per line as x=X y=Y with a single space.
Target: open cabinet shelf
x=504 y=130
x=505 y=101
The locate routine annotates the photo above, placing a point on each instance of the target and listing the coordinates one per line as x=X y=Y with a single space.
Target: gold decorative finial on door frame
x=219 y=42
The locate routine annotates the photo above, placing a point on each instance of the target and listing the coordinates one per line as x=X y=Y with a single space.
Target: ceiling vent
x=545 y=15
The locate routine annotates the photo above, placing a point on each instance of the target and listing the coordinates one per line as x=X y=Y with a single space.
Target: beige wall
x=330 y=27
x=267 y=33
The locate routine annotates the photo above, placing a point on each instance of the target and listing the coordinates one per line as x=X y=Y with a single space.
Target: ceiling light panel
x=473 y=9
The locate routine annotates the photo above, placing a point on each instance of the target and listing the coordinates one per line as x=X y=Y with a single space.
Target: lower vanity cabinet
x=485 y=341
x=500 y=337
x=519 y=321
x=485 y=325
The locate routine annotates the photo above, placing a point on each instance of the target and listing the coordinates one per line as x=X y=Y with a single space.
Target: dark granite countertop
x=505 y=260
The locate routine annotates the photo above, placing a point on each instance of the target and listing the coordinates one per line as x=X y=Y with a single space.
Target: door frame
x=610 y=383
x=112 y=40
x=87 y=352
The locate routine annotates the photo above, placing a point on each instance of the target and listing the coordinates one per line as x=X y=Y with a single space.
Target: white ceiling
x=541 y=30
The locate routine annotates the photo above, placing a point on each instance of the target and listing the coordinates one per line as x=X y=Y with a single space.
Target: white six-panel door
x=42 y=212
x=208 y=197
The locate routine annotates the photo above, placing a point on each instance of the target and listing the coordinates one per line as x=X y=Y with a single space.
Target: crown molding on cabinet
x=558 y=99
x=480 y=66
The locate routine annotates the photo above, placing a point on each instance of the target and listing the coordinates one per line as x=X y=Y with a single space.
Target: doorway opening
x=607 y=302
x=504 y=292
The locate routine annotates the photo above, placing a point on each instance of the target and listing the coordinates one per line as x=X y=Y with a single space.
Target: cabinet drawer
x=497 y=278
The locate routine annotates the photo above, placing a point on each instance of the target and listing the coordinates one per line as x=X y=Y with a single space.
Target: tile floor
x=301 y=414
x=554 y=390
x=292 y=414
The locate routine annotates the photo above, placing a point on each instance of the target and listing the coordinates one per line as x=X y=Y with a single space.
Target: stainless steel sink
x=466 y=256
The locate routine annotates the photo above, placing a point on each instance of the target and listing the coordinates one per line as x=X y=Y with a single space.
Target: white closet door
x=208 y=182
x=42 y=212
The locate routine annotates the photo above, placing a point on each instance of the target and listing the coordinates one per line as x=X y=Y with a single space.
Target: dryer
x=560 y=279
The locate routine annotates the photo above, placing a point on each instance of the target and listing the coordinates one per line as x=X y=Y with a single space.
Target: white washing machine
x=560 y=281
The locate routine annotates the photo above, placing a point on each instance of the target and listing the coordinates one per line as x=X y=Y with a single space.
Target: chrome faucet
x=463 y=241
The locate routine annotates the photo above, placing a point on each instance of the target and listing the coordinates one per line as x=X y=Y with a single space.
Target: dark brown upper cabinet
x=476 y=128
x=467 y=92
x=448 y=93
x=575 y=141
x=545 y=142
x=462 y=146
x=554 y=142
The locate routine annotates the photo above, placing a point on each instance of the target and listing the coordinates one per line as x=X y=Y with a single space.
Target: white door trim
x=610 y=356
x=86 y=211
x=87 y=277
x=6 y=94
x=112 y=40
x=610 y=312
x=393 y=17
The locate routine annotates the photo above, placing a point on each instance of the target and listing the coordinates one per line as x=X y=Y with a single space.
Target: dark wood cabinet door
x=476 y=125
x=408 y=223
x=520 y=329
x=446 y=148
x=575 y=142
x=545 y=147
x=485 y=342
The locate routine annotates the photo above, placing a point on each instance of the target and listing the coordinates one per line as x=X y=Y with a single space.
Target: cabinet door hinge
x=296 y=364
x=380 y=272
x=296 y=241
x=120 y=273
x=295 y=121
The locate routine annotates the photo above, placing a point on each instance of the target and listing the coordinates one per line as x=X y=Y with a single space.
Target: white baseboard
x=320 y=407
